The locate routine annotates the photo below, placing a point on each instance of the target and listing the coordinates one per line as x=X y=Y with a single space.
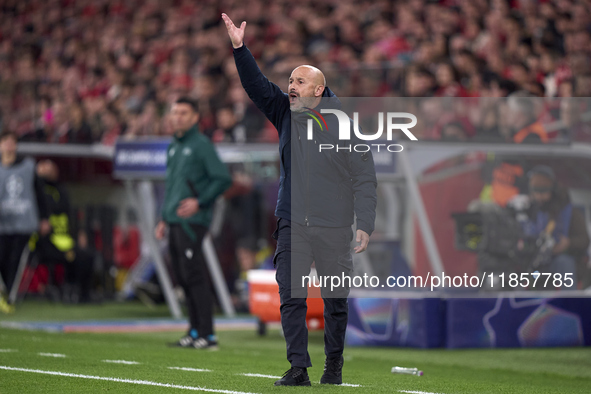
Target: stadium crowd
x=84 y=71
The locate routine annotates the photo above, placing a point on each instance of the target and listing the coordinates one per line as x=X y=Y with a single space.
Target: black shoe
x=333 y=371
x=295 y=376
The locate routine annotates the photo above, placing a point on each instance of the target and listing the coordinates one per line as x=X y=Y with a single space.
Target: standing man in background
x=22 y=210
x=195 y=177
x=552 y=215
x=59 y=246
x=319 y=195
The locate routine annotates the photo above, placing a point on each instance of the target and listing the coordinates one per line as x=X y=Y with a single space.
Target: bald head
x=313 y=73
x=306 y=86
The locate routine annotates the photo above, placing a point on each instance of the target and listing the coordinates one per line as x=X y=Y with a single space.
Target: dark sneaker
x=295 y=376
x=186 y=341
x=333 y=371
x=206 y=344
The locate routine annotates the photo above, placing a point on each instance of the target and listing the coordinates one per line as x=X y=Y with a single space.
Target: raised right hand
x=236 y=34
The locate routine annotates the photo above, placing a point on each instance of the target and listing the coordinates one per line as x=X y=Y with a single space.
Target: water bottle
x=407 y=371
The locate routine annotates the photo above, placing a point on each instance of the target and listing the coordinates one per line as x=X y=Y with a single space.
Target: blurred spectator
x=79 y=132
x=136 y=57
x=112 y=127
x=573 y=127
x=521 y=123
x=447 y=82
x=229 y=128
x=454 y=131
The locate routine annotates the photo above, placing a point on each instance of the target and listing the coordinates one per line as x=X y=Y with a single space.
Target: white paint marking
x=416 y=392
x=191 y=369
x=8 y=350
x=121 y=362
x=350 y=385
x=118 y=380
x=56 y=355
x=258 y=375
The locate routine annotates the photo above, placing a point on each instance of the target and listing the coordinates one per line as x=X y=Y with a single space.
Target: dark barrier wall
x=470 y=323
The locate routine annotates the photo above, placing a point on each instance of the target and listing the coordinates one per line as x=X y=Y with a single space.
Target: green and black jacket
x=193 y=169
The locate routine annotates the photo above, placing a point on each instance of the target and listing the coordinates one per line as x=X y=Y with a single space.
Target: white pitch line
x=118 y=380
x=8 y=350
x=56 y=355
x=191 y=369
x=350 y=385
x=258 y=375
x=416 y=392
x=121 y=362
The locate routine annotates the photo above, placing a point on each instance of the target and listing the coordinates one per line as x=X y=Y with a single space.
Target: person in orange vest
x=521 y=119
x=505 y=178
x=508 y=180
x=521 y=126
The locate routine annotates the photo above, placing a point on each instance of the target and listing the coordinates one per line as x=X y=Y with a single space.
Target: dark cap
x=542 y=170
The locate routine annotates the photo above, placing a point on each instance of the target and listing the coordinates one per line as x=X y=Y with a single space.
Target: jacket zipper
x=307 y=183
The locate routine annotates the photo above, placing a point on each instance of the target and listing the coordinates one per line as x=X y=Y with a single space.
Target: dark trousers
x=78 y=264
x=192 y=274
x=297 y=247
x=11 y=249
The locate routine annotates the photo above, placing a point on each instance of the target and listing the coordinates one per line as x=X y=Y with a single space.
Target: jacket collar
x=193 y=130
x=329 y=100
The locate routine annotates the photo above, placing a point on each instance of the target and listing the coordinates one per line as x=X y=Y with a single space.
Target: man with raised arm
x=319 y=195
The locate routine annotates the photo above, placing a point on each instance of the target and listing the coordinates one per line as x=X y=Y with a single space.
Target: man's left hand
x=561 y=246
x=187 y=208
x=363 y=239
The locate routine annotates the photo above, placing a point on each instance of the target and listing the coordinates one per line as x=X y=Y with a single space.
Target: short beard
x=298 y=109
x=306 y=102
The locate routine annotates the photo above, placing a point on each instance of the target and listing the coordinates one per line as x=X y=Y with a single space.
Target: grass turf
x=41 y=310
x=446 y=371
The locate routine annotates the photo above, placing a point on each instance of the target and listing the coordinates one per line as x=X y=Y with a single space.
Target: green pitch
x=79 y=360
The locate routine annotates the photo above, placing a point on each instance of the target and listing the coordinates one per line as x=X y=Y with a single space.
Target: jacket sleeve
x=267 y=96
x=65 y=197
x=218 y=174
x=579 y=238
x=41 y=198
x=163 y=214
x=563 y=222
x=363 y=174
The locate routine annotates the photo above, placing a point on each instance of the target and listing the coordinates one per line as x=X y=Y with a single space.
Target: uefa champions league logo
x=14 y=186
x=15 y=204
x=345 y=130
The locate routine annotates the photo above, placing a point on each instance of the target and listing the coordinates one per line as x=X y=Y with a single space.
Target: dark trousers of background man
x=192 y=274
x=297 y=247
x=11 y=249
x=78 y=267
